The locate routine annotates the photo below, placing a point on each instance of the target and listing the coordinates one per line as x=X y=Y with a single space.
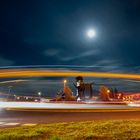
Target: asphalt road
x=25 y=113
x=17 y=118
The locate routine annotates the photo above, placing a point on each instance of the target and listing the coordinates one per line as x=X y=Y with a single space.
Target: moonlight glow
x=91 y=33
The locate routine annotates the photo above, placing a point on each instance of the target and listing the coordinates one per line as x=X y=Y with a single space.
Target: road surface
x=19 y=118
x=24 y=113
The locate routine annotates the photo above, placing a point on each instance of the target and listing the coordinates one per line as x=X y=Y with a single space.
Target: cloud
x=5 y=62
x=80 y=55
x=51 y=52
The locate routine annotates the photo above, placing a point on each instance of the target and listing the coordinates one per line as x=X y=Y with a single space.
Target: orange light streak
x=7 y=73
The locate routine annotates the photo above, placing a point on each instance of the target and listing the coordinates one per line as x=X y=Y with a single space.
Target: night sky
x=53 y=32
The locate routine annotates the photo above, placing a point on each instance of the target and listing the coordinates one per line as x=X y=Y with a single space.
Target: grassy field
x=91 y=130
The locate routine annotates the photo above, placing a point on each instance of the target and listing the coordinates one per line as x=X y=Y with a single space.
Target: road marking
x=29 y=124
x=10 y=124
x=15 y=124
x=1 y=123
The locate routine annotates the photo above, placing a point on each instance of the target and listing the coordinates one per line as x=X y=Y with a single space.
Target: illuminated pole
x=108 y=91
x=65 y=82
x=39 y=94
x=15 y=97
x=9 y=91
x=108 y=94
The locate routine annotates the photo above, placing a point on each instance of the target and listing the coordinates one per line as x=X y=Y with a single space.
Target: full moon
x=91 y=33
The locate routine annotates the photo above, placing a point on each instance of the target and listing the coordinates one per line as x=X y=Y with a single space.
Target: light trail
x=35 y=105
x=9 y=73
x=13 y=81
x=55 y=66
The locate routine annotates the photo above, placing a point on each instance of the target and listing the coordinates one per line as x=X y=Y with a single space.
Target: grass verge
x=90 y=130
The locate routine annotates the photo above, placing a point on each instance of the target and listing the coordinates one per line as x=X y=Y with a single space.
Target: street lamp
x=39 y=94
x=9 y=91
x=15 y=96
x=108 y=91
x=65 y=81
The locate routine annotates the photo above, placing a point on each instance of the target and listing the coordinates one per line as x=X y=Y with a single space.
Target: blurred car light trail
x=7 y=73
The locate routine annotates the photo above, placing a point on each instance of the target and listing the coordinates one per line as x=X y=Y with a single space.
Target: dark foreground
x=88 y=130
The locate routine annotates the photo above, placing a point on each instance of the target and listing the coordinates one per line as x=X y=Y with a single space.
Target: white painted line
x=10 y=124
x=2 y=123
x=29 y=124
